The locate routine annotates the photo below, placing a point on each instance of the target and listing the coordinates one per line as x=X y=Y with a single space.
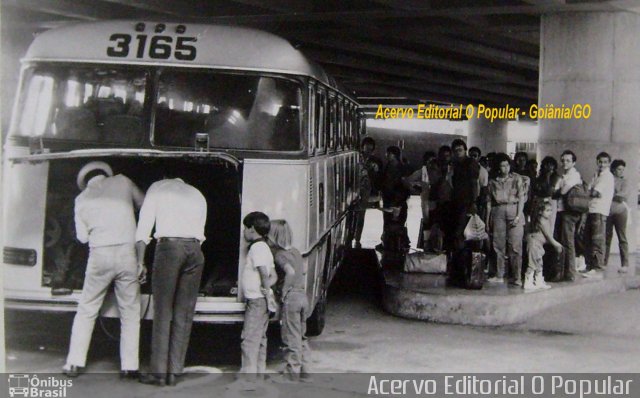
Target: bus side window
x=354 y=128
x=347 y=129
x=362 y=125
x=327 y=123
x=347 y=140
x=345 y=125
x=350 y=127
x=337 y=192
x=340 y=184
x=313 y=127
x=345 y=183
x=321 y=112
x=340 y=124
x=333 y=116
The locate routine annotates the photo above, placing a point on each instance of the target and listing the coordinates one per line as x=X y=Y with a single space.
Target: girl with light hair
x=291 y=285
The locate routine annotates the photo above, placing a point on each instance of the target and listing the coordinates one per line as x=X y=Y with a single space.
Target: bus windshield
x=83 y=103
x=107 y=104
x=235 y=111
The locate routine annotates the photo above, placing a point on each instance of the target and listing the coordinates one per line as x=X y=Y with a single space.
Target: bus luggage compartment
x=64 y=259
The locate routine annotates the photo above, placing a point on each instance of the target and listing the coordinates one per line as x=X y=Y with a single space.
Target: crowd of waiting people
x=539 y=222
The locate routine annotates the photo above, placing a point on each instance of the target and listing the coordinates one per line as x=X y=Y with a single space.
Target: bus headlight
x=14 y=255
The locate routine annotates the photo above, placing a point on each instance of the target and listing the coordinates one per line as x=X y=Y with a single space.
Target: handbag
x=578 y=198
x=475 y=229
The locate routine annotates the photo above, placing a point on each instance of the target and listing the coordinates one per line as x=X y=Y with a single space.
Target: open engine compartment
x=219 y=181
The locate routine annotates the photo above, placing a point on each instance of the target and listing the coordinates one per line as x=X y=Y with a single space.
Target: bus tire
x=315 y=323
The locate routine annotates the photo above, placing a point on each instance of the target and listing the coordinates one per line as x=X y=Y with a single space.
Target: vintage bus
x=240 y=113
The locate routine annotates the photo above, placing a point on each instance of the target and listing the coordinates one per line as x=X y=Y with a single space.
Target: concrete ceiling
x=395 y=51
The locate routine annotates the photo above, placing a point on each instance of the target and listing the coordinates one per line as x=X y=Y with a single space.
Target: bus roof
x=219 y=46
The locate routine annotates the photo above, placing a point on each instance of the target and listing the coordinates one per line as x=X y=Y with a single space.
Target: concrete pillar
x=593 y=58
x=488 y=136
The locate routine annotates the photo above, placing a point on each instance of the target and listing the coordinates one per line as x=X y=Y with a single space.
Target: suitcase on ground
x=427 y=263
x=474 y=270
x=468 y=267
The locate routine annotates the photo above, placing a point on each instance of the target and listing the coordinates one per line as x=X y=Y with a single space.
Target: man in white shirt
x=179 y=212
x=104 y=218
x=419 y=180
x=602 y=188
x=568 y=219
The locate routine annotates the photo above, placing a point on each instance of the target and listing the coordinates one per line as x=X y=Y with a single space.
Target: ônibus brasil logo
x=34 y=386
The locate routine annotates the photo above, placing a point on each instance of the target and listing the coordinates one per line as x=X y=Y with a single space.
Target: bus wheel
x=315 y=323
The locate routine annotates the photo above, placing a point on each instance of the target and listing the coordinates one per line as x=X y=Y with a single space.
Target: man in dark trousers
x=370 y=171
x=179 y=212
x=465 y=191
x=394 y=200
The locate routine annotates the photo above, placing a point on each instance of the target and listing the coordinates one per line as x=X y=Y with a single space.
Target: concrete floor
x=595 y=335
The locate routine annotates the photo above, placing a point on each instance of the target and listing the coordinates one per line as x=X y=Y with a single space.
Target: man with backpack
x=568 y=218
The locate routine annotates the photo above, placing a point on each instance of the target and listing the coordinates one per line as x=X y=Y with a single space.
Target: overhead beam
x=398 y=54
x=481 y=23
x=204 y=10
x=539 y=3
x=449 y=12
x=363 y=89
x=30 y=21
x=359 y=63
x=424 y=38
x=280 y=5
x=160 y=7
x=358 y=77
x=62 y=8
x=484 y=29
x=79 y=10
x=405 y=4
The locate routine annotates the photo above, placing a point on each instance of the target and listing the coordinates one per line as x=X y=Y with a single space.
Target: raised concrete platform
x=426 y=297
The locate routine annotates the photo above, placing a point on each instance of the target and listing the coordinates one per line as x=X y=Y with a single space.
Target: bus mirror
x=202 y=142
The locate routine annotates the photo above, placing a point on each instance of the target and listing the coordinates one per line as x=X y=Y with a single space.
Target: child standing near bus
x=295 y=306
x=539 y=234
x=257 y=278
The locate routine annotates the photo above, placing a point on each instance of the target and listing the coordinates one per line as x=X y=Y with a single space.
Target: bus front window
x=102 y=104
x=236 y=111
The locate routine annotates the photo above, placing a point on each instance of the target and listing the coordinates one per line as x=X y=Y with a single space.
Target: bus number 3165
x=160 y=47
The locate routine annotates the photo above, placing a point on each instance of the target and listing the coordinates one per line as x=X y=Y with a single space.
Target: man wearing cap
x=104 y=218
x=179 y=212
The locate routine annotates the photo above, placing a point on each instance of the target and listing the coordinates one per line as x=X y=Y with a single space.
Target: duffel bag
x=427 y=263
